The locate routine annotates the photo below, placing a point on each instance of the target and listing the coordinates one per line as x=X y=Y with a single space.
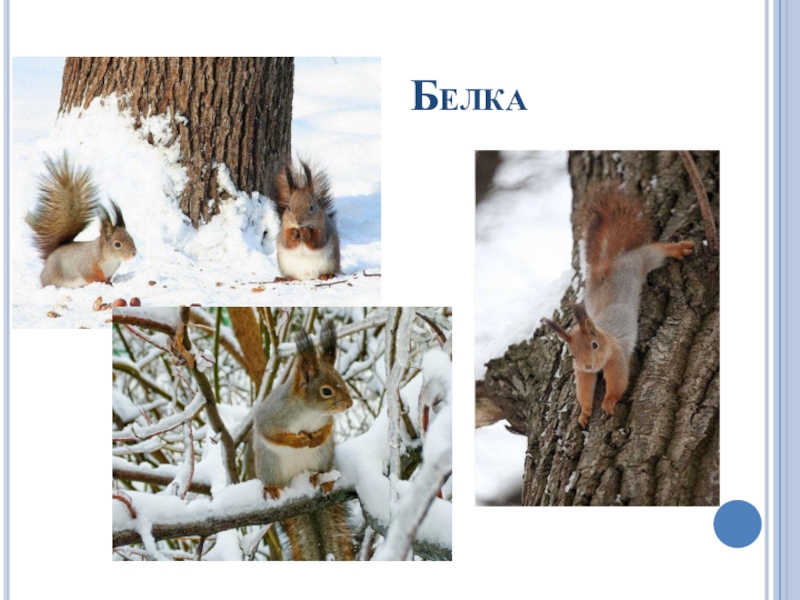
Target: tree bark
x=661 y=446
x=232 y=111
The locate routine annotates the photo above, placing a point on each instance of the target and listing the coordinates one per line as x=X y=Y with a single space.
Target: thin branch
x=154 y=478
x=133 y=370
x=130 y=434
x=147 y=323
x=702 y=199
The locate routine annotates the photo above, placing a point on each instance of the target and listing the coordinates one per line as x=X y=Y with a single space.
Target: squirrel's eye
x=595 y=345
x=311 y=208
x=117 y=245
x=327 y=390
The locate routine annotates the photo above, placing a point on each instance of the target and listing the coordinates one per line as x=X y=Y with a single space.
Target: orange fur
x=613 y=223
x=302 y=439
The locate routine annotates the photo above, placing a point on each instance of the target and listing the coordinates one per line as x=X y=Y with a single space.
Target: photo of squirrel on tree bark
x=617 y=390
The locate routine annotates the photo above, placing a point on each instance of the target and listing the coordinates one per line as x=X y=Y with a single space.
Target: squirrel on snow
x=292 y=433
x=308 y=244
x=67 y=204
x=619 y=254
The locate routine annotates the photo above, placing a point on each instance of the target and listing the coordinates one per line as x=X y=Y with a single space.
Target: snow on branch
x=132 y=434
x=238 y=505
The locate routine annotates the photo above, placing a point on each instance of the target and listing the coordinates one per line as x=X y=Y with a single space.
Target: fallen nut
x=120 y=302
x=136 y=302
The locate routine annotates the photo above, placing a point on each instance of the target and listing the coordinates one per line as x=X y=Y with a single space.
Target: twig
x=702 y=199
x=167 y=424
x=126 y=500
x=143 y=322
x=319 y=285
x=152 y=478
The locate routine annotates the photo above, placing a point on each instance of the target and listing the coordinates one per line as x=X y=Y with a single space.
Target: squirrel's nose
x=588 y=367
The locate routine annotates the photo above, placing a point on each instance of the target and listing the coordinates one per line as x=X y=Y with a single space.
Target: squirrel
x=308 y=244
x=292 y=433
x=66 y=205
x=619 y=254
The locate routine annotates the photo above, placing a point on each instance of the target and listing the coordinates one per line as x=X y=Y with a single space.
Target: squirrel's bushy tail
x=320 y=534
x=613 y=223
x=66 y=205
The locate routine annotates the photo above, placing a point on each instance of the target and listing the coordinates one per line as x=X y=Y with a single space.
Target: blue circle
x=737 y=523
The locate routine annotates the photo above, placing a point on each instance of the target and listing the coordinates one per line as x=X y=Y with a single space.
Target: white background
x=627 y=75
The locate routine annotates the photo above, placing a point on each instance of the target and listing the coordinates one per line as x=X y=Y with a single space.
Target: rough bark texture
x=661 y=446
x=236 y=111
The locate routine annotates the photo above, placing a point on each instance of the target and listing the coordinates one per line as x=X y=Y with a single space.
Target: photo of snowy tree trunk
x=190 y=149
x=265 y=433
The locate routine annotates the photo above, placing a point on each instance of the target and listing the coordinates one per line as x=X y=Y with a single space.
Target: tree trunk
x=661 y=446
x=232 y=111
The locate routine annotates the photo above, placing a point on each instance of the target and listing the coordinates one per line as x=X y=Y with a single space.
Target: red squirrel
x=619 y=255
x=308 y=244
x=67 y=204
x=292 y=433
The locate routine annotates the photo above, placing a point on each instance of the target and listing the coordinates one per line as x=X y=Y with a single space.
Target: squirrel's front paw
x=680 y=249
x=584 y=419
x=274 y=491
x=305 y=234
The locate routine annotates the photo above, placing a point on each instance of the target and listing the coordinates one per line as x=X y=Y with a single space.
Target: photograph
x=597 y=362
x=275 y=433
x=176 y=181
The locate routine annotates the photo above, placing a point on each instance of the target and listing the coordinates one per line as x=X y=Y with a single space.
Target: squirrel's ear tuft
x=106 y=223
x=307 y=365
x=118 y=220
x=282 y=188
x=327 y=341
x=287 y=172
x=309 y=176
x=558 y=329
x=584 y=321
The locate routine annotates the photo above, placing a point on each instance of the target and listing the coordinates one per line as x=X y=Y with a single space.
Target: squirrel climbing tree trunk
x=661 y=446
x=232 y=111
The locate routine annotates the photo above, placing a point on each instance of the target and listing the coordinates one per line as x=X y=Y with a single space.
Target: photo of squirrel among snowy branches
x=263 y=433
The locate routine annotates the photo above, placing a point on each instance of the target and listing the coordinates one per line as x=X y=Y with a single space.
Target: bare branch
x=702 y=199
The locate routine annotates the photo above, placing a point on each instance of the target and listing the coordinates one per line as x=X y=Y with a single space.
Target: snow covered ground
x=336 y=122
x=523 y=249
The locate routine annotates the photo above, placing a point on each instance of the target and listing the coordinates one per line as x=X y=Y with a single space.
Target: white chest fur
x=294 y=461
x=302 y=262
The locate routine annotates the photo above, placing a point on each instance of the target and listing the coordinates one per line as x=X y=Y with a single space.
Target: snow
x=523 y=252
x=226 y=261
